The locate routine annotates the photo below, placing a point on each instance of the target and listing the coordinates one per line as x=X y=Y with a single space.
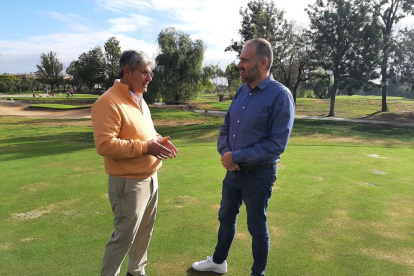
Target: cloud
x=54 y=15
x=136 y=24
x=119 y=6
x=180 y=5
x=129 y=24
x=22 y=56
x=70 y=17
x=216 y=22
x=220 y=57
x=127 y=43
x=79 y=28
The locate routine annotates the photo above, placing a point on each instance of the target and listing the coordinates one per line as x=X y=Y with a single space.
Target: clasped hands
x=227 y=162
x=162 y=148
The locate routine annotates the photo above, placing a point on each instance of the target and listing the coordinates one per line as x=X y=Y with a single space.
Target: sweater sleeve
x=106 y=123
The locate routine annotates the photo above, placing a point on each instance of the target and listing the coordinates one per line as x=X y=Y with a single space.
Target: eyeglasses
x=146 y=73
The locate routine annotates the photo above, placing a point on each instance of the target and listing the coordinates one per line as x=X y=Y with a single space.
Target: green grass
x=59 y=106
x=78 y=99
x=345 y=107
x=334 y=211
x=22 y=92
x=356 y=107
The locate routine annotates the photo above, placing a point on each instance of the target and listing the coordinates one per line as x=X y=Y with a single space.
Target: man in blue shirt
x=255 y=133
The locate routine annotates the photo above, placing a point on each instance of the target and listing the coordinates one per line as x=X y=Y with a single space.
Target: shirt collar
x=136 y=97
x=264 y=83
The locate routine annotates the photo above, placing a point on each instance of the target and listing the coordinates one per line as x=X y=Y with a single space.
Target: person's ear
x=127 y=71
x=265 y=61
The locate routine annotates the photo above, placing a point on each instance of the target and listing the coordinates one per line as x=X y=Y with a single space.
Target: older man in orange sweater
x=133 y=151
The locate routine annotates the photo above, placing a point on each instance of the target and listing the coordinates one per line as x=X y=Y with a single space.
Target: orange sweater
x=121 y=132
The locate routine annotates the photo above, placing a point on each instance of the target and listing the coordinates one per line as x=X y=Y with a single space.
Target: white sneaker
x=209 y=265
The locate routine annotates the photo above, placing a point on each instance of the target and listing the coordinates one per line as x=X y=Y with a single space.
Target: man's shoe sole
x=212 y=270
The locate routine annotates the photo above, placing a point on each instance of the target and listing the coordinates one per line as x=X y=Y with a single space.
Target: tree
x=291 y=62
x=403 y=64
x=32 y=84
x=261 y=19
x=296 y=63
x=8 y=82
x=112 y=54
x=90 y=68
x=319 y=85
x=346 y=39
x=232 y=74
x=178 y=74
x=8 y=78
x=73 y=71
x=49 y=70
x=390 y=12
x=217 y=77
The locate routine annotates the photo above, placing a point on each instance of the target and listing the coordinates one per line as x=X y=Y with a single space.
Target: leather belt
x=256 y=167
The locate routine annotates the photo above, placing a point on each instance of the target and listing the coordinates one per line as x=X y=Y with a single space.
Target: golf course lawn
x=342 y=203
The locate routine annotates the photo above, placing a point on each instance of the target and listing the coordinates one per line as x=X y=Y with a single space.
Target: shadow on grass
x=54 y=144
x=390 y=116
x=192 y=272
x=69 y=140
x=192 y=133
x=304 y=127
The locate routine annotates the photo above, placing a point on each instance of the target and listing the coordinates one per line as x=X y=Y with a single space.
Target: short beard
x=252 y=76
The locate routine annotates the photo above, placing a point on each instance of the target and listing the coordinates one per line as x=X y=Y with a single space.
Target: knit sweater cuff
x=144 y=146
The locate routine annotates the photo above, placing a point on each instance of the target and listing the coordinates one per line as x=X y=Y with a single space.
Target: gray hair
x=134 y=59
x=263 y=49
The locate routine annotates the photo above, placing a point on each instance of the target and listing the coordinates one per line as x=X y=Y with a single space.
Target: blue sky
x=69 y=28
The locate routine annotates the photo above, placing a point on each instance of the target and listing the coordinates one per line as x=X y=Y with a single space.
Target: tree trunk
x=295 y=89
x=384 y=66
x=298 y=81
x=333 y=94
x=384 y=84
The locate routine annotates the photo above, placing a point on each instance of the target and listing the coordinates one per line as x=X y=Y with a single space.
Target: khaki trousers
x=134 y=205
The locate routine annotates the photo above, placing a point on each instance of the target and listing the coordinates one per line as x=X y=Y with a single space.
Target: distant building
x=24 y=76
x=32 y=75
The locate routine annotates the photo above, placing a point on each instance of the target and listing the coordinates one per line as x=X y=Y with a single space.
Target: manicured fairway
x=367 y=107
x=342 y=204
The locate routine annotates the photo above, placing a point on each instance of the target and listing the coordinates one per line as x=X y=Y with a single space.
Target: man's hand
x=155 y=148
x=165 y=141
x=227 y=162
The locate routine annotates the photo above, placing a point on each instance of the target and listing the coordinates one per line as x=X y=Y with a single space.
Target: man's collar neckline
x=264 y=83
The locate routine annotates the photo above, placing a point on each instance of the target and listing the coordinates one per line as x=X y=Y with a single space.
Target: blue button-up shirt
x=258 y=123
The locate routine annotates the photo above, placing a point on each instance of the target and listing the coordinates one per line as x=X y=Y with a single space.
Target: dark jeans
x=254 y=188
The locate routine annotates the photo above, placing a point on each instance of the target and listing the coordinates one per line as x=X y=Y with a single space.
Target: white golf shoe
x=209 y=265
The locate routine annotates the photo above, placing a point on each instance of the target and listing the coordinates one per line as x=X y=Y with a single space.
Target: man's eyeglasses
x=146 y=73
